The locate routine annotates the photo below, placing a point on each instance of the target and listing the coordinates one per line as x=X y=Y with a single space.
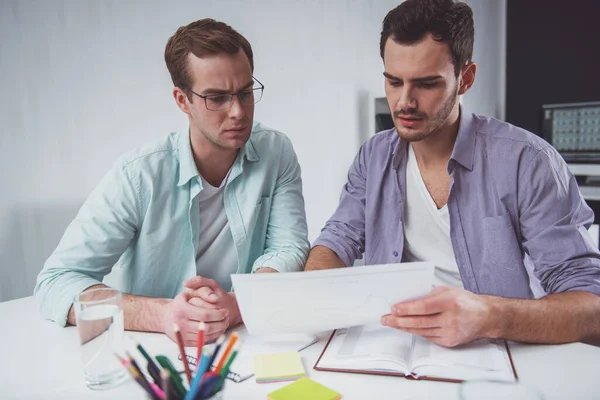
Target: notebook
x=278 y=367
x=303 y=389
x=242 y=368
x=376 y=349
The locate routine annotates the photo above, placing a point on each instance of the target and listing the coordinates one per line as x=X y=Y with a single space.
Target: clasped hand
x=204 y=300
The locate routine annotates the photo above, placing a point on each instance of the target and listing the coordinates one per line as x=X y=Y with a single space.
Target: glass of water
x=99 y=314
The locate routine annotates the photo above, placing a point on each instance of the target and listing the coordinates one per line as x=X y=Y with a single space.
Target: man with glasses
x=175 y=218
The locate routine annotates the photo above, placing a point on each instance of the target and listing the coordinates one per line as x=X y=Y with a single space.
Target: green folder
x=303 y=389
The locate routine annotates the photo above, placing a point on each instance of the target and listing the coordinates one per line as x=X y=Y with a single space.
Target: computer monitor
x=574 y=130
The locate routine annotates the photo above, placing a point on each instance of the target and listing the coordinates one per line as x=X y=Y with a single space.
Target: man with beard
x=178 y=216
x=478 y=197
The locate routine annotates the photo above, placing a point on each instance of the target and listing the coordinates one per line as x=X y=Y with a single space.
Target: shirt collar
x=464 y=146
x=187 y=165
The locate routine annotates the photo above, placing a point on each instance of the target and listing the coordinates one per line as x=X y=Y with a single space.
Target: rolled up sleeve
x=91 y=245
x=554 y=222
x=344 y=233
x=286 y=244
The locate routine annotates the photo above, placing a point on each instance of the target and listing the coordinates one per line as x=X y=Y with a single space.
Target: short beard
x=438 y=119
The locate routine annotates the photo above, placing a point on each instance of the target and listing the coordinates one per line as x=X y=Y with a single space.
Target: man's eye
x=219 y=99
x=395 y=83
x=425 y=85
x=246 y=95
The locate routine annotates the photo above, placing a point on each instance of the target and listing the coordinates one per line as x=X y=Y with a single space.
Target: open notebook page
x=482 y=359
x=368 y=347
x=383 y=349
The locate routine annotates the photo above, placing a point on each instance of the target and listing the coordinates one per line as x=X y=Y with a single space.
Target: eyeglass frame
x=262 y=89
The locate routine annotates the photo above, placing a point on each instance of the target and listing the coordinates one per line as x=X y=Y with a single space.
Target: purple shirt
x=511 y=195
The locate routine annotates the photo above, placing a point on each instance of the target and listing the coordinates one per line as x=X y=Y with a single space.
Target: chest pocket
x=258 y=233
x=262 y=212
x=500 y=245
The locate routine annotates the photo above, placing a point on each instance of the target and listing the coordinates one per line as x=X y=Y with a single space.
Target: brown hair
x=201 y=38
x=448 y=21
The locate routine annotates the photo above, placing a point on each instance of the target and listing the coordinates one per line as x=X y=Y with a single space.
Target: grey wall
x=83 y=81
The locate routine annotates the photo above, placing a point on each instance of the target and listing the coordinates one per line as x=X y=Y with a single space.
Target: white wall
x=83 y=81
x=488 y=95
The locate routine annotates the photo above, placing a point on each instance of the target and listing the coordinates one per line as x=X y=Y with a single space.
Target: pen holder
x=216 y=396
x=200 y=384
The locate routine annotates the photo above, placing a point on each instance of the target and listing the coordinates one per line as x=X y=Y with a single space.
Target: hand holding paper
x=448 y=316
x=322 y=300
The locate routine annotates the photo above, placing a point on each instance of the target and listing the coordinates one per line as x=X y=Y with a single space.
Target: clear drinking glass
x=99 y=314
x=492 y=390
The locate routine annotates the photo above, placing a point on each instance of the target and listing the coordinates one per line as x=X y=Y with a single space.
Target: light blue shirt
x=143 y=220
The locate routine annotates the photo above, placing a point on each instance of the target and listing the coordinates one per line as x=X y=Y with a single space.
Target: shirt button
x=395 y=254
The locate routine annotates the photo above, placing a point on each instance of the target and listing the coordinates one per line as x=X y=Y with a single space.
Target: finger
x=187 y=311
x=189 y=331
x=266 y=270
x=432 y=304
x=208 y=314
x=445 y=341
x=215 y=329
x=427 y=333
x=198 y=302
x=440 y=289
x=190 y=339
x=212 y=338
x=205 y=293
x=418 y=322
x=198 y=281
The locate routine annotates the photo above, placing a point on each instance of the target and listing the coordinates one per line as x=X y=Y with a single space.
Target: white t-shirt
x=215 y=235
x=427 y=228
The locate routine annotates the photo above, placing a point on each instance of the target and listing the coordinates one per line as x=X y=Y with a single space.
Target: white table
x=41 y=360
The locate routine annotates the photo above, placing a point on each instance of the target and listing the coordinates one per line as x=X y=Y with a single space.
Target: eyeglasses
x=220 y=102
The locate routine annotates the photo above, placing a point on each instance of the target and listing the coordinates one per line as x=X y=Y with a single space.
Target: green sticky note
x=278 y=367
x=302 y=389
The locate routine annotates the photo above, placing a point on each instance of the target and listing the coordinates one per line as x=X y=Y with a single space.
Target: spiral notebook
x=375 y=349
x=250 y=345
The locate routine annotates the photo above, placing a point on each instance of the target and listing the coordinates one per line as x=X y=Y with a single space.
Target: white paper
x=314 y=301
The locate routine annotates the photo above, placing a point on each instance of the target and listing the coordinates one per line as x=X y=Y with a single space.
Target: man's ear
x=467 y=77
x=181 y=100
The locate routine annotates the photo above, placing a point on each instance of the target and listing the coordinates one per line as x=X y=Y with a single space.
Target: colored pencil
x=177 y=385
x=135 y=374
x=153 y=369
x=200 y=371
x=165 y=379
x=220 y=341
x=135 y=365
x=232 y=339
x=186 y=365
x=200 y=342
x=159 y=393
x=225 y=370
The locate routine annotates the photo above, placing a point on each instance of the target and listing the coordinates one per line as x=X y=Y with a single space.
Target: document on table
x=314 y=301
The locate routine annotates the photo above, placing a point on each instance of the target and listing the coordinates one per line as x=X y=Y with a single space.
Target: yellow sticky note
x=304 y=389
x=278 y=367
